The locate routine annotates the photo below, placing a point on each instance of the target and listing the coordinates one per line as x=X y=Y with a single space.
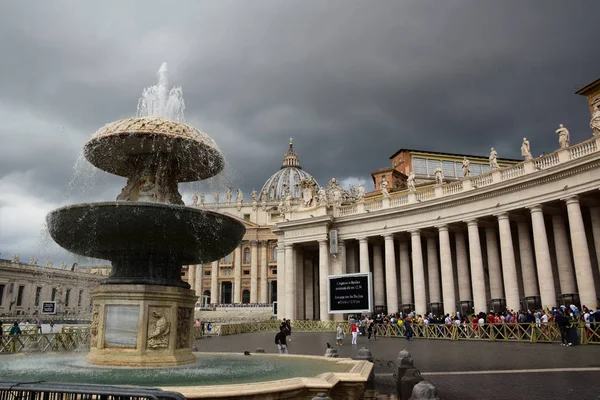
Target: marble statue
x=595 y=121
x=361 y=193
x=526 y=150
x=322 y=196
x=352 y=192
x=288 y=200
x=94 y=326
x=158 y=332
x=202 y=198
x=228 y=196
x=240 y=196
x=410 y=182
x=466 y=167
x=148 y=190
x=194 y=200
x=308 y=187
x=49 y=263
x=33 y=260
x=563 y=136
x=254 y=195
x=439 y=176
x=263 y=195
x=494 y=159
x=335 y=192
x=15 y=258
x=216 y=197
x=384 y=188
x=63 y=265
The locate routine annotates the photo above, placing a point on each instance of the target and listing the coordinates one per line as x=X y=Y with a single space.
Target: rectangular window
x=2 y=293
x=38 y=293
x=79 y=298
x=459 y=171
x=247 y=217
x=274 y=272
x=53 y=298
x=207 y=273
x=448 y=169
x=419 y=165
x=432 y=165
x=20 y=295
x=67 y=296
x=246 y=272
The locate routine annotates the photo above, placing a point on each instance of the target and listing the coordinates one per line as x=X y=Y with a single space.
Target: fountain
x=142 y=314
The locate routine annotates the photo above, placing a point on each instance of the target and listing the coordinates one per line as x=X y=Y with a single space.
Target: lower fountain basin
x=147 y=243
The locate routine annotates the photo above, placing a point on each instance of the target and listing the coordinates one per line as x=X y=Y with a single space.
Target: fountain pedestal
x=142 y=325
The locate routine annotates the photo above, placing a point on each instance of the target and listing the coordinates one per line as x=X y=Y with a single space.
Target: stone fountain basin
x=147 y=243
x=214 y=375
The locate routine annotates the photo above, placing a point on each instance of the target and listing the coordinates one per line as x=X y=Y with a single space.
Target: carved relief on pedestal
x=158 y=328
x=94 y=326
x=184 y=315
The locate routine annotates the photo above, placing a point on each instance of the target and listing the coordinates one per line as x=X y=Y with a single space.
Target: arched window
x=246 y=256
x=228 y=258
x=246 y=296
x=274 y=255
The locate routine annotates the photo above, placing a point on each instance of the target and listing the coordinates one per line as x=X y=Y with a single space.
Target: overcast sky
x=350 y=81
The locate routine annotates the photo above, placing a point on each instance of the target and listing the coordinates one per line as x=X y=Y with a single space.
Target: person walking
x=354 y=330
x=15 y=330
x=339 y=335
x=280 y=341
x=562 y=322
x=208 y=329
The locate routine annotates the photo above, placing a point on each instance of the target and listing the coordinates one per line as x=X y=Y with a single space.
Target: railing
x=483 y=180
x=43 y=342
x=452 y=188
x=513 y=172
x=347 y=210
x=528 y=332
x=425 y=194
x=583 y=149
x=401 y=200
x=374 y=205
x=547 y=161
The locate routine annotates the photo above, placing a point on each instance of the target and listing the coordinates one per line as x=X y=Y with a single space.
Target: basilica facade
x=441 y=233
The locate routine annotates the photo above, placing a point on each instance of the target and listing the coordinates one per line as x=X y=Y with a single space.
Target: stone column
x=253 y=271
x=509 y=267
x=281 y=280
x=299 y=284
x=462 y=267
x=566 y=275
x=342 y=256
x=477 y=274
x=323 y=273
x=214 y=282
x=391 y=292
x=308 y=289
x=378 y=275
x=264 y=273
x=351 y=259
x=364 y=255
x=493 y=261
x=527 y=263
x=595 y=217
x=405 y=280
x=290 y=282
x=448 y=295
x=418 y=273
x=542 y=258
x=192 y=278
x=581 y=254
x=198 y=279
x=237 y=275
x=433 y=271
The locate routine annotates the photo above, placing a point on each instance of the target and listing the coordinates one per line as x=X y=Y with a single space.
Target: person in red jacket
x=354 y=330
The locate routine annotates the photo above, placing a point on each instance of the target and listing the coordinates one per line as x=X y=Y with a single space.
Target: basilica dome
x=287 y=177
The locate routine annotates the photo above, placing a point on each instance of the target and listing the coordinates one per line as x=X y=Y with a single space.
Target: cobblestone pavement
x=465 y=370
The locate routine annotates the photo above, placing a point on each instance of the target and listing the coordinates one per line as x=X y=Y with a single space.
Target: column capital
x=323 y=242
x=362 y=239
x=442 y=228
x=254 y=243
x=472 y=222
x=415 y=232
x=288 y=246
x=571 y=199
x=536 y=208
x=502 y=215
x=388 y=236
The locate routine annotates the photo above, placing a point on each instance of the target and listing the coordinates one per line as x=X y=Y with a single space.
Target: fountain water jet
x=142 y=314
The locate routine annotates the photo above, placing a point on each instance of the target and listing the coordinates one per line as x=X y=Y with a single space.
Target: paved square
x=465 y=370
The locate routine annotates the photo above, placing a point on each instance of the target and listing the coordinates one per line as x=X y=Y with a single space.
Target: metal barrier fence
x=78 y=339
x=70 y=391
x=528 y=332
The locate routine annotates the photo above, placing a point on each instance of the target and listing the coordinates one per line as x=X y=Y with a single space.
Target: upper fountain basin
x=118 y=146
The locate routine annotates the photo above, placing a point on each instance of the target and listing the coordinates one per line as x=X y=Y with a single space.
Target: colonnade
x=539 y=256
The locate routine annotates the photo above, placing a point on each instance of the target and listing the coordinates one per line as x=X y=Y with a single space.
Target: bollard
x=260 y=350
x=331 y=353
x=364 y=354
x=403 y=362
x=411 y=377
x=321 y=396
x=425 y=391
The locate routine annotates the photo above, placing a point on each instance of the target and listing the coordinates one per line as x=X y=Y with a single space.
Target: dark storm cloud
x=352 y=82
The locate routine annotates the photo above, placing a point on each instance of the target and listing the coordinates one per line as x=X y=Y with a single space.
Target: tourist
x=280 y=341
x=208 y=329
x=408 y=327
x=371 y=330
x=562 y=321
x=14 y=331
x=339 y=334
x=354 y=331
x=38 y=322
x=51 y=326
